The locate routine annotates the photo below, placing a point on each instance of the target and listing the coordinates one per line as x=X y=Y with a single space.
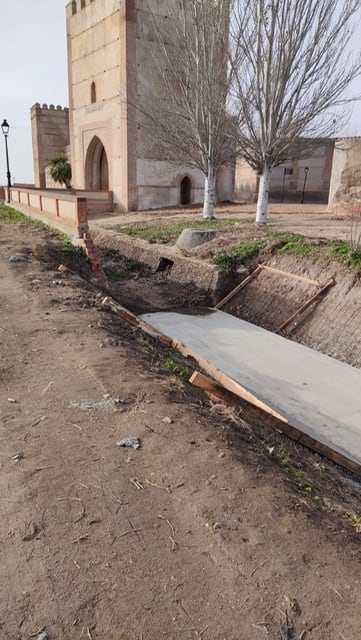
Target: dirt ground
x=216 y=528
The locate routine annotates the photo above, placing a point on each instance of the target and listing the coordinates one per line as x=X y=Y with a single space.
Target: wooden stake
x=240 y=286
x=293 y=276
x=307 y=304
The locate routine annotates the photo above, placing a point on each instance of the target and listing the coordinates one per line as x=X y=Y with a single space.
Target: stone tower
x=108 y=45
x=50 y=132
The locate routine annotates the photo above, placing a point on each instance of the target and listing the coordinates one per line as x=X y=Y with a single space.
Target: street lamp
x=304 y=184
x=5 y=129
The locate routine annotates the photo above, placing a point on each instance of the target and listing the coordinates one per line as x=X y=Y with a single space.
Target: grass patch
x=114 y=275
x=126 y=266
x=296 y=244
x=285 y=462
x=356 y=522
x=73 y=252
x=8 y=215
x=344 y=253
x=232 y=258
x=163 y=232
x=169 y=357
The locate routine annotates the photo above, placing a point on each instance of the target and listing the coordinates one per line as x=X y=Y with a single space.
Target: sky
x=33 y=68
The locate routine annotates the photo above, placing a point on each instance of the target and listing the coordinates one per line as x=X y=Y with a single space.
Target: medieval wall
x=308 y=171
x=345 y=187
x=50 y=133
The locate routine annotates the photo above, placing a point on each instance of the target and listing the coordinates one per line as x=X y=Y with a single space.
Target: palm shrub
x=60 y=170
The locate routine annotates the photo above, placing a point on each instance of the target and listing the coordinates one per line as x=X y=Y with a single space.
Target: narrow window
x=82 y=4
x=93 y=93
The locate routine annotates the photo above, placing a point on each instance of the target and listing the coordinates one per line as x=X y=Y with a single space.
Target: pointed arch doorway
x=96 y=167
x=185 y=189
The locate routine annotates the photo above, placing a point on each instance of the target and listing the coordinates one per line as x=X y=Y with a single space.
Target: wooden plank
x=307 y=304
x=212 y=388
x=293 y=276
x=155 y=333
x=323 y=449
x=227 y=382
x=132 y=319
x=240 y=286
x=279 y=426
x=122 y=312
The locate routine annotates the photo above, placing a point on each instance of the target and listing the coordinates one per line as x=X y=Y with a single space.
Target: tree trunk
x=263 y=194
x=209 y=195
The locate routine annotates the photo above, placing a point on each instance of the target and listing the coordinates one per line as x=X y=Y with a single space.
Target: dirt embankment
x=331 y=325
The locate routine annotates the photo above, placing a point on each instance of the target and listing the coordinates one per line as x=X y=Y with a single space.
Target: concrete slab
x=317 y=394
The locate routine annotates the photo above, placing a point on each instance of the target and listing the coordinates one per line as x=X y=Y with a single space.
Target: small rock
x=167 y=420
x=221 y=455
x=14 y=259
x=11 y=400
x=217 y=525
x=134 y=443
x=17 y=457
x=32 y=532
x=42 y=636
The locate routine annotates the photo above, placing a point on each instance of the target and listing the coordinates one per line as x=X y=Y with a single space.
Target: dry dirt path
x=195 y=535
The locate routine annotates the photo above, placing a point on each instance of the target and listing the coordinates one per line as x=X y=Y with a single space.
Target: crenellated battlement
x=50 y=131
x=45 y=107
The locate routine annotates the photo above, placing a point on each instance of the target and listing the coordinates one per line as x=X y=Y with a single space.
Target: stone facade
x=345 y=188
x=50 y=132
x=109 y=43
x=305 y=176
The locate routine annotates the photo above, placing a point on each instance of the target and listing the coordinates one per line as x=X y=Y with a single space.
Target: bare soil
x=216 y=528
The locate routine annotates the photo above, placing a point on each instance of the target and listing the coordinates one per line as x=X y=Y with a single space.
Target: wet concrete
x=317 y=394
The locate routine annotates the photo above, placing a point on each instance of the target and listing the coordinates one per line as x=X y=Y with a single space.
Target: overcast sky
x=33 y=68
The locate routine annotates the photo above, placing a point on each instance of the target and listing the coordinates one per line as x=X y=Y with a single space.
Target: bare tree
x=292 y=68
x=183 y=104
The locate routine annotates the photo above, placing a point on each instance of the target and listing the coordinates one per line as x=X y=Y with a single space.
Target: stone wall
x=50 y=133
x=345 y=188
x=306 y=170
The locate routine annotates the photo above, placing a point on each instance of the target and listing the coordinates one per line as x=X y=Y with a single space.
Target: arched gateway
x=96 y=167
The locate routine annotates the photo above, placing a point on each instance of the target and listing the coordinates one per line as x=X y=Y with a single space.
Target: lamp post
x=304 y=185
x=5 y=129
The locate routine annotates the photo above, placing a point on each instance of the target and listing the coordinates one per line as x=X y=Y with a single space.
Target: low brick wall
x=61 y=210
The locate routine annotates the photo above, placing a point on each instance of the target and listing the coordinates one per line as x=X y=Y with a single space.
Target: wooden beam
x=155 y=333
x=240 y=286
x=122 y=312
x=293 y=276
x=211 y=387
x=214 y=390
x=307 y=304
x=132 y=319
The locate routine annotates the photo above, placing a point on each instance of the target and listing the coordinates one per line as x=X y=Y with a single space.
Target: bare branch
x=292 y=65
